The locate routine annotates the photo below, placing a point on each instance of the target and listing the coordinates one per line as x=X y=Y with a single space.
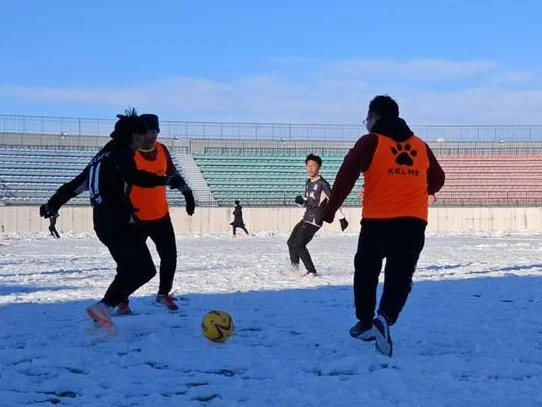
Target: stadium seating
x=263 y=178
x=513 y=180
x=32 y=175
x=275 y=178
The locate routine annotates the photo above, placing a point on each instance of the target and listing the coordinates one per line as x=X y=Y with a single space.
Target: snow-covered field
x=470 y=335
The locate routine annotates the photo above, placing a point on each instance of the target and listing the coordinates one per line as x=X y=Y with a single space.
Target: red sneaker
x=167 y=301
x=123 y=309
x=100 y=313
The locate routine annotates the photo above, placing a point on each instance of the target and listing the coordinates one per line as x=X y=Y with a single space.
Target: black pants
x=240 y=227
x=163 y=236
x=400 y=242
x=135 y=266
x=301 y=235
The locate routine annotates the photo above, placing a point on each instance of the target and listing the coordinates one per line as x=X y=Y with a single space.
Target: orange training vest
x=150 y=203
x=396 y=181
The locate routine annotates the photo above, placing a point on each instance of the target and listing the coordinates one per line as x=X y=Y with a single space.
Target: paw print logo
x=404 y=154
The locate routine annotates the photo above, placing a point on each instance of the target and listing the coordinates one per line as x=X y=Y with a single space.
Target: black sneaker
x=383 y=342
x=363 y=332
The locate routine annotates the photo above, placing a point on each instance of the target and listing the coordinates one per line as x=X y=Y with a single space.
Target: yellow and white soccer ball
x=217 y=325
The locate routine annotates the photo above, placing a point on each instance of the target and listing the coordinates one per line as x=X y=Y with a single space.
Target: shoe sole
x=382 y=345
x=365 y=337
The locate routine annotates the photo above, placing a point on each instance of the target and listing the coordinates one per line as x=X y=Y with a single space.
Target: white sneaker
x=383 y=343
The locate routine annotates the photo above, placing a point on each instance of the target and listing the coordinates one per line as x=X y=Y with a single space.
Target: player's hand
x=190 y=201
x=46 y=212
x=299 y=200
x=344 y=224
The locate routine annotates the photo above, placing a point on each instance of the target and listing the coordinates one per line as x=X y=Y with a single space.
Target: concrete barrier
x=22 y=219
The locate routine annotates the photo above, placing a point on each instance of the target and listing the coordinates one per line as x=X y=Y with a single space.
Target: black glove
x=299 y=200
x=344 y=224
x=190 y=202
x=52 y=227
x=175 y=181
x=46 y=212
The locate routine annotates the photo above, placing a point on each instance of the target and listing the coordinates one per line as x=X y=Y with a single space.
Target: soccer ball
x=217 y=326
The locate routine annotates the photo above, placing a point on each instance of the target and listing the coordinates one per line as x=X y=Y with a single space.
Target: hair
x=237 y=202
x=384 y=106
x=152 y=121
x=315 y=158
x=128 y=124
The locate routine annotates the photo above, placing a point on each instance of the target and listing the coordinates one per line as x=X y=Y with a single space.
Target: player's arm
x=124 y=160
x=172 y=172
x=355 y=162
x=63 y=194
x=326 y=191
x=435 y=173
x=302 y=199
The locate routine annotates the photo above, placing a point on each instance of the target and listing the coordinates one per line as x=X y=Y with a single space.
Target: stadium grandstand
x=263 y=164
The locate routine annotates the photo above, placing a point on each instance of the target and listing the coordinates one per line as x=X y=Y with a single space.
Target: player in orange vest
x=151 y=210
x=400 y=171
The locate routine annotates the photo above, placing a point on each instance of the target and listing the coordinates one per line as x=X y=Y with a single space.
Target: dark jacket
x=108 y=177
x=238 y=217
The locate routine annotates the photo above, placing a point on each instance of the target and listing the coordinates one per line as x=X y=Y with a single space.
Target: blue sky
x=446 y=62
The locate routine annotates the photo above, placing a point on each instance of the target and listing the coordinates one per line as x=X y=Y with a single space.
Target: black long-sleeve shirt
x=108 y=177
x=317 y=193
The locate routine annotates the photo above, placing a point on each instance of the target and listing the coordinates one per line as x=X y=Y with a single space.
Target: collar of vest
x=148 y=151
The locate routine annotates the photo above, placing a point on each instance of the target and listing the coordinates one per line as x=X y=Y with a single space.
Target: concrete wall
x=20 y=219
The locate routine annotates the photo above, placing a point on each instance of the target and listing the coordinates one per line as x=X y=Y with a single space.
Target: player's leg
x=402 y=255
x=124 y=306
x=163 y=236
x=367 y=266
x=292 y=246
x=401 y=260
x=134 y=268
x=304 y=236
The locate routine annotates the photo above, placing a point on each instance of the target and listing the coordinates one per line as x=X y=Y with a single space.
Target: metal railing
x=69 y=126
x=448 y=199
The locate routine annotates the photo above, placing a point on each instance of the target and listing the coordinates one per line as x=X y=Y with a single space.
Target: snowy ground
x=471 y=333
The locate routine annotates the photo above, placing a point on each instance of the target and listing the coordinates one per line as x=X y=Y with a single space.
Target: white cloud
x=429 y=91
x=424 y=69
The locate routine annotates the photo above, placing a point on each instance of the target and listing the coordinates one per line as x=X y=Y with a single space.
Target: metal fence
x=69 y=126
x=446 y=200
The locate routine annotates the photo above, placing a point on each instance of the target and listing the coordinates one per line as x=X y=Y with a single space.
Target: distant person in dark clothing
x=400 y=171
x=314 y=200
x=109 y=178
x=238 y=218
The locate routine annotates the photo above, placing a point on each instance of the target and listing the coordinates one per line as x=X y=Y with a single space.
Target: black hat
x=152 y=121
x=127 y=125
